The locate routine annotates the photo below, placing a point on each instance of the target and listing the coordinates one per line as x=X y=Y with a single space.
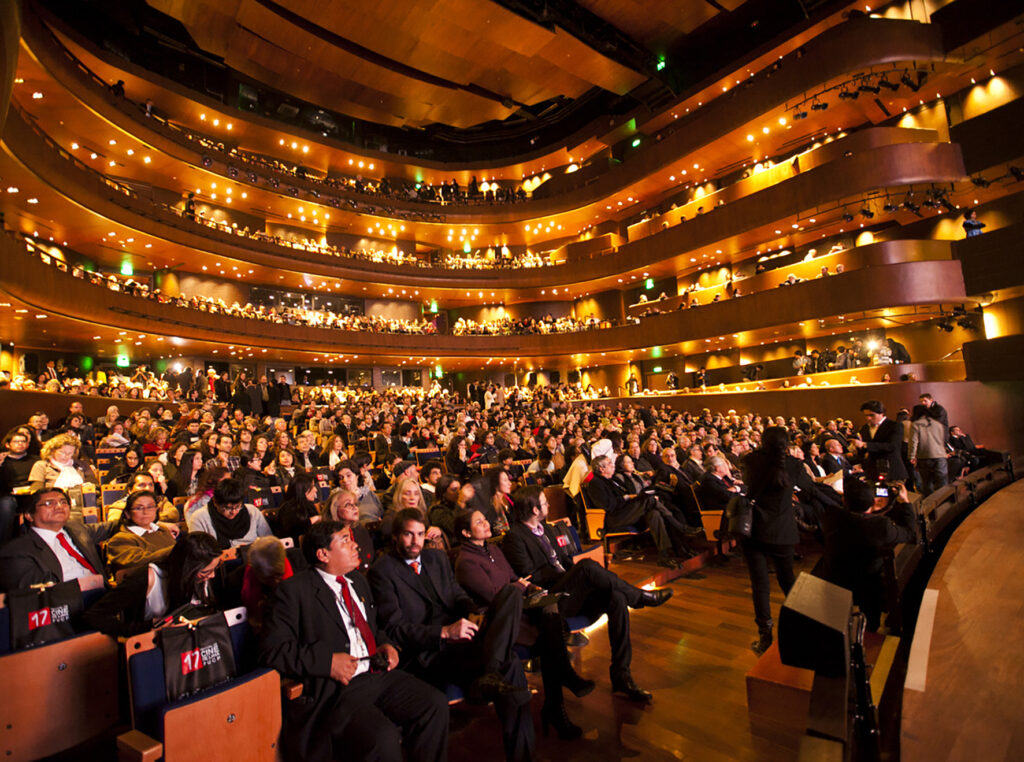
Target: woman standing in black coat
x=771 y=473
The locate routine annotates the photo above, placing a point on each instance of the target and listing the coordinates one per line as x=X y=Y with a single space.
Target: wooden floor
x=964 y=695
x=692 y=653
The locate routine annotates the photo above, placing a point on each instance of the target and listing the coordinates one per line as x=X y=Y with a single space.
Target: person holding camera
x=873 y=518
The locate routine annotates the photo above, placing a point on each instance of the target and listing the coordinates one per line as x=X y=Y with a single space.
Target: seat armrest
x=290 y=689
x=135 y=746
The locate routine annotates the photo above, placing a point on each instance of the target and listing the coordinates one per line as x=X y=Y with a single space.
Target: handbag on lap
x=197 y=655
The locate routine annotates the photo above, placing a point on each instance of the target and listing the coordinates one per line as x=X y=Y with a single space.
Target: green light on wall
x=127 y=269
x=438 y=371
x=636 y=142
x=85 y=363
x=123 y=361
x=656 y=352
x=656 y=369
x=660 y=65
x=649 y=284
x=465 y=247
x=433 y=306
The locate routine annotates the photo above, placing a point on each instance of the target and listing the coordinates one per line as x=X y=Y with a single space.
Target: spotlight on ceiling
x=847 y=217
x=819 y=106
x=889 y=206
x=867 y=87
x=866 y=213
x=1017 y=172
x=847 y=95
x=884 y=82
x=907 y=80
x=980 y=182
x=946 y=325
x=799 y=115
x=911 y=206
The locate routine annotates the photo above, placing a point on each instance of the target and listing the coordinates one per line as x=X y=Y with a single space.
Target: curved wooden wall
x=25 y=277
x=850 y=47
x=846 y=176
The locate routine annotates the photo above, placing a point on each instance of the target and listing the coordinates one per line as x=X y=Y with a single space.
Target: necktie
x=357 y=618
x=415 y=566
x=74 y=553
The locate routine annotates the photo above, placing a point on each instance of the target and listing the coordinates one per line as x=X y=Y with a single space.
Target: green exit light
x=123 y=361
x=433 y=305
x=636 y=142
x=660 y=65
x=657 y=369
x=656 y=352
x=649 y=284
x=465 y=247
x=127 y=269
x=438 y=372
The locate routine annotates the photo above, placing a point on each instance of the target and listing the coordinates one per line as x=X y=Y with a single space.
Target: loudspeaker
x=814 y=626
x=574 y=376
x=555 y=377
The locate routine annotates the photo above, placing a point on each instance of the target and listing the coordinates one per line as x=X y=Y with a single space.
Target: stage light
x=1017 y=172
x=980 y=182
x=889 y=206
x=866 y=213
x=847 y=217
x=819 y=106
x=797 y=115
x=865 y=87
x=884 y=82
x=847 y=95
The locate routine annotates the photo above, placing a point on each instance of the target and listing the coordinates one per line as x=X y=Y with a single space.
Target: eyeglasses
x=54 y=502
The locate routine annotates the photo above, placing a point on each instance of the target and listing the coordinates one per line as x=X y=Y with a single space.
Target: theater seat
x=72 y=682
x=240 y=719
x=595 y=521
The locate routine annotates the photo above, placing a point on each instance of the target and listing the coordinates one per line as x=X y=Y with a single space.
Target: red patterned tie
x=357 y=618
x=415 y=566
x=74 y=553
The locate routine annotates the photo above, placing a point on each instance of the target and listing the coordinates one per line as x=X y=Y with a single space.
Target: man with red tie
x=54 y=549
x=322 y=630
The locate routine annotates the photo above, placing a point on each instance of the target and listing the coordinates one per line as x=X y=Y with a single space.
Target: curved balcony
x=748 y=219
x=25 y=277
x=853 y=46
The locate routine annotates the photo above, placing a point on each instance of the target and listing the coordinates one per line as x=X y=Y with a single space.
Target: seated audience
x=266 y=566
x=299 y=508
x=228 y=518
x=343 y=507
x=534 y=552
x=140 y=540
x=355 y=704
x=424 y=611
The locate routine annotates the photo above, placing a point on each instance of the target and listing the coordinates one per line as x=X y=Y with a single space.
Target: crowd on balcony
x=509 y=326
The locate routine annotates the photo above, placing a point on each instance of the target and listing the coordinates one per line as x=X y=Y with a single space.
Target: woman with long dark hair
x=148 y=594
x=771 y=473
x=298 y=507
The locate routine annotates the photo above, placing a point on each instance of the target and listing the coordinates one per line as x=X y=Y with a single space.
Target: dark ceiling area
x=443 y=80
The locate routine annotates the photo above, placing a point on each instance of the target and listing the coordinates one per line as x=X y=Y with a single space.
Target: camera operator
x=873 y=518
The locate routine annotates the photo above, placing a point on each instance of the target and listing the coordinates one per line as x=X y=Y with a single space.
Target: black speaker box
x=814 y=626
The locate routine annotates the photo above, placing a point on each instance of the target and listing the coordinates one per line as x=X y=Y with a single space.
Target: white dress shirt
x=357 y=646
x=70 y=567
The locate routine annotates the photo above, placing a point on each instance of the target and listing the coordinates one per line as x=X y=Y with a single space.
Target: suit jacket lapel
x=46 y=556
x=416 y=582
x=328 y=601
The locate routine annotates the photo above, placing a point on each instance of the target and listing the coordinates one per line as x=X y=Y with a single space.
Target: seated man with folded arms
x=323 y=629
x=532 y=548
x=54 y=549
x=425 y=613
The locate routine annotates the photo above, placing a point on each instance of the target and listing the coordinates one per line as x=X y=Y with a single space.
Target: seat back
x=110 y=495
x=145 y=667
x=74 y=679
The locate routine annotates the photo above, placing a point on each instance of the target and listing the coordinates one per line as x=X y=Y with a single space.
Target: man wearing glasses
x=54 y=549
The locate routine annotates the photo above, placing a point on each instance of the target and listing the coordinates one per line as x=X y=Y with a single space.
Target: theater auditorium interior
x=635 y=330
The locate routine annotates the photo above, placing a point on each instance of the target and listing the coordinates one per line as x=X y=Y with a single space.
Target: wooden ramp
x=963 y=696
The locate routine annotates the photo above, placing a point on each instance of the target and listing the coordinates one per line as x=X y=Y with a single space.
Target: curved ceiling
x=402 y=62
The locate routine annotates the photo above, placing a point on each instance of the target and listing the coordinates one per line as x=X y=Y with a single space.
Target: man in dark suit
x=424 y=612
x=382 y=443
x=604 y=494
x=676 y=485
x=400 y=443
x=255 y=399
x=534 y=552
x=222 y=387
x=54 y=549
x=284 y=391
x=693 y=466
x=834 y=458
x=322 y=629
x=270 y=396
x=716 y=488
x=880 y=444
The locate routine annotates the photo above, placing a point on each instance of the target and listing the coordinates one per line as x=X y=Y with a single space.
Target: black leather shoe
x=669 y=562
x=491 y=687
x=579 y=686
x=694 y=531
x=576 y=639
x=556 y=717
x=623 y=685
x=651 y=598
